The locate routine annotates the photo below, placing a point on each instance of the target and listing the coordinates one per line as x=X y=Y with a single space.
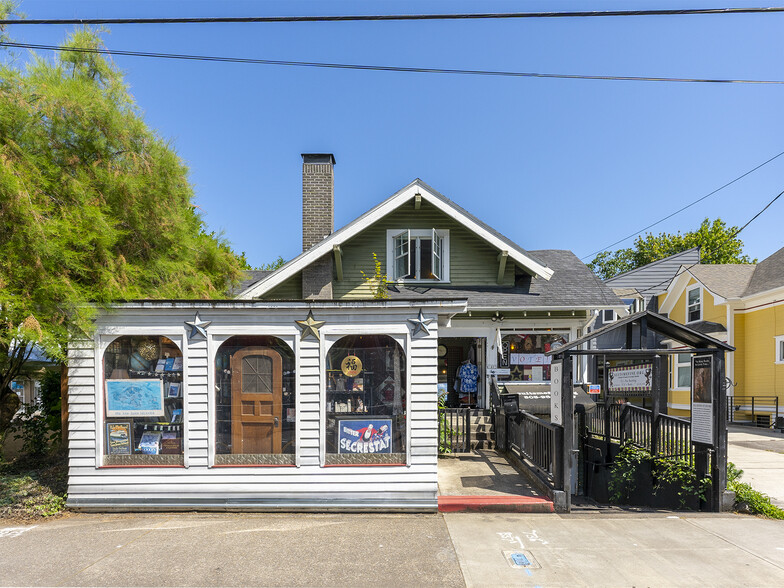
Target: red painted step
x=527 y=504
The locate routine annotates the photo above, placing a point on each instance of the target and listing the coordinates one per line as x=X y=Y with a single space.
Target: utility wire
x=684 y=208
x=391 y=17
x=354 y=66
x=729 y=238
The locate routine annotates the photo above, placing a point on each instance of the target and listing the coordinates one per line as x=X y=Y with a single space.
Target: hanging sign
x=636 y=378
x=702 y=399
x=351 y=366
x=556 y=392
x=365 y=436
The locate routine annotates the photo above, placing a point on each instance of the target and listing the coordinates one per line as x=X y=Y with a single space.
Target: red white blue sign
x=365 y=436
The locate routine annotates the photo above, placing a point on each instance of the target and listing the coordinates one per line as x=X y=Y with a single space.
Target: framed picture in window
x=134 y=398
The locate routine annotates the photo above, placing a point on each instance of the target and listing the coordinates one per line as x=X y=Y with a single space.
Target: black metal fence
x=760 y=411
x=540 y=443
x=454 y=430
x=602 y=420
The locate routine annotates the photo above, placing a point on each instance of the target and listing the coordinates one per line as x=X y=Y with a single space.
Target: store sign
x=504 y=361
x=497 y=371
x=365 y=436
x=637 y=378
x=594 y=389
x=351 y=366
x=702 y=399
x=556 y=392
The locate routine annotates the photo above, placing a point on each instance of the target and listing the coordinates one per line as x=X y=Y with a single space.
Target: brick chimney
x=318 y=204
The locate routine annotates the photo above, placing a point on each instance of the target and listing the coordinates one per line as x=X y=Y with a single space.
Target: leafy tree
x=94 y=207
x=717 y=243
x=273 y=265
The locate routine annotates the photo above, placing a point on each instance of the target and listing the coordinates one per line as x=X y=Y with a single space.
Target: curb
x=521 y=504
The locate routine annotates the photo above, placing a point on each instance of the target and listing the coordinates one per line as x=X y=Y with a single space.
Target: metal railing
x=539 y=442
x=664 y=436
x=454 y=430
x=598 y=422
x=760 y=410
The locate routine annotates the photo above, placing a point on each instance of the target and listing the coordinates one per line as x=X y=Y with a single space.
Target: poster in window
x=702 y=399
x=134 y=398
x=365 y=436
x=118 y=437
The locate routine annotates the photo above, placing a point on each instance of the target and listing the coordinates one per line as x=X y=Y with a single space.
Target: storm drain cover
x=521 y=559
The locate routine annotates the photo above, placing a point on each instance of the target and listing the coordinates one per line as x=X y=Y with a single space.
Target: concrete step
x=487 y=444
x=525 y=504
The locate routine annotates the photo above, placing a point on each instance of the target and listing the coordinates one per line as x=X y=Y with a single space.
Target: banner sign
x=635 y=378
x=530 y=359
x=702 y=399
x=365 y=436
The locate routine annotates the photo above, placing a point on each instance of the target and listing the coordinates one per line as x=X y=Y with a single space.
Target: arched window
x=254 y=402
x=366 y=401
x=144 y=393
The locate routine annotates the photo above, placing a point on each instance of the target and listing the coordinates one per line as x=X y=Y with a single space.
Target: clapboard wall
x=306 y=486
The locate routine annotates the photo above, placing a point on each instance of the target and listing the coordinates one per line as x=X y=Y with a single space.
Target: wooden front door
x=256 y=400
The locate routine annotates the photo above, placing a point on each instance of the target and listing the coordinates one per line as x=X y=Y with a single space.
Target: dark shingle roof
x=768 y=275
x=572 y=285
x=250 y=277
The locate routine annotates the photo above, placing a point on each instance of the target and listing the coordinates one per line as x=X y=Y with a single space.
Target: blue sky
x=552 y=164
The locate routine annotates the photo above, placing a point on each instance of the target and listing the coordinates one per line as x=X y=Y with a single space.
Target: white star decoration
x=198 y=327
x=420 y=324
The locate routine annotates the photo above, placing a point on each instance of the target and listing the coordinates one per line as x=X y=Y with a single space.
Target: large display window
x=143 y=402
x=255 y=407
x=523 y=355
x=366 y=401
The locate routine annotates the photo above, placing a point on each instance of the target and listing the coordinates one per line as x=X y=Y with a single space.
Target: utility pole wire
x=391 y=17
x=729 y=238
x=740 y=177
x=354 y=66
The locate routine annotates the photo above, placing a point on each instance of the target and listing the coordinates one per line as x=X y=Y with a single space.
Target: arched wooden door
x=256 y=400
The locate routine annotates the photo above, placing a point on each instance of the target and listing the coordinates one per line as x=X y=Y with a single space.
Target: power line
x=729 y=238
x=354 y=66
x=391 y=17
x=740 y=177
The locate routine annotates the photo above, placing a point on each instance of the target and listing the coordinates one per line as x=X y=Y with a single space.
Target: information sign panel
x=702 y=399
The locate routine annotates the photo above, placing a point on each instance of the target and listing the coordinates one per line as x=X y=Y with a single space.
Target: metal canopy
x=654 y=322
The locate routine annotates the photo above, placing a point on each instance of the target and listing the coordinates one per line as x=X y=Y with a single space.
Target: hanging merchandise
x=351 y=366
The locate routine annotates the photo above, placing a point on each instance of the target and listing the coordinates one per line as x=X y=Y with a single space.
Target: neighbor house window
x=255 y=411
x=366 y=402
x=144 y=391
x=608 y=316
x=682 y=371
x=693 y=305
x=780 y=349
x=418 y=254
x=523 y=354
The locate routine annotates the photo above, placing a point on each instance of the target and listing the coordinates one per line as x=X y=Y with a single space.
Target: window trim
x=686 y=302
x=331 y=334
x=676 y=364
x=392 y=234
x=614 y=318
x=101 y=341
x=778 y=355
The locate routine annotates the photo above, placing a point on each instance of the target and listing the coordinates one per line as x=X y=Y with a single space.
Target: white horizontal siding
x=416 y=481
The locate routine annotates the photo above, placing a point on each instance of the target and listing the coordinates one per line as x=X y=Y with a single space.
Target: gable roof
x=519 y=255
x=728 y=280
x=653 y=278
x=573 y=286
x=768 y=275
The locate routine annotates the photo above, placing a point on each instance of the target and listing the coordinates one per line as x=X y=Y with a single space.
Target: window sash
x=436 y=253
x=402 y=252
x=683 y=370
x=693 y=305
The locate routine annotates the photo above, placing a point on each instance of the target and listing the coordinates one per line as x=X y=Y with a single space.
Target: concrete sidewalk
x=760 y=454
x=619 y=548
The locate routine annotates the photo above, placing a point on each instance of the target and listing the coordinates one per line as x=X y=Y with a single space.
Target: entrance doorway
x=257 y=391
x=461 y=371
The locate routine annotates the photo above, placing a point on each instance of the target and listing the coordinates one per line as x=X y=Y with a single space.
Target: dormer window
x=693 y=305
x=418 y=255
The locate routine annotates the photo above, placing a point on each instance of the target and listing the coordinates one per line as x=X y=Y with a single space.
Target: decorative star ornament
x=420 y=324
x=310 y=326
x=198 y=327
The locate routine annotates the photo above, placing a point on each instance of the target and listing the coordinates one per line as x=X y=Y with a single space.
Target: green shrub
x=757 y=502
x=626 y=470
x=32 y=427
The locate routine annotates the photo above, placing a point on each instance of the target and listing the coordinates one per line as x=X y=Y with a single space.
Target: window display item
x=150 y=443
x=136 y=398
x=119 y=438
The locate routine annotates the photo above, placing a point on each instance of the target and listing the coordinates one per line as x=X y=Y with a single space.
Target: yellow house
x=742 y=305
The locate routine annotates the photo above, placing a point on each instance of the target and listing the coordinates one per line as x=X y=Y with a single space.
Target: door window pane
x=523 y=354
x=255 y=402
